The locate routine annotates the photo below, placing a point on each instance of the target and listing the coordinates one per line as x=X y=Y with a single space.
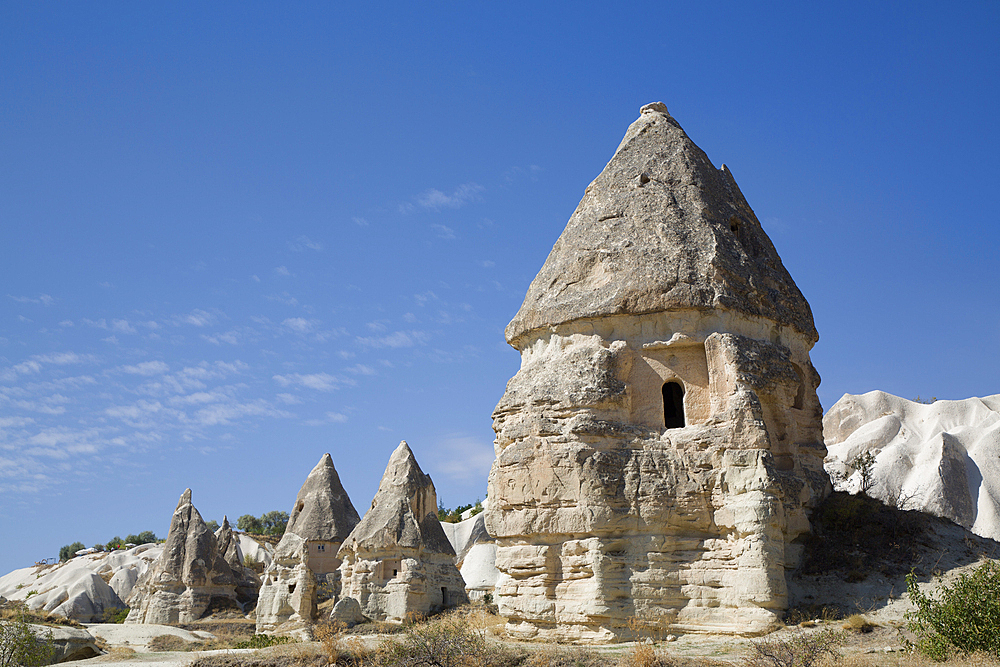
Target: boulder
x=398 y=560
x=347 y=611
x=189 y=580
x=660 y=448
x=940 y=458
x=320 y=520
x=68 y=643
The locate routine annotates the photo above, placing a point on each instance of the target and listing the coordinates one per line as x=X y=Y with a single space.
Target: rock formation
x=322 y=517
x=76 y=588
x=190 y=578
x=398 y=559
x=660 y=448
x=476 y=554
x=940 y=458
x=247 y=581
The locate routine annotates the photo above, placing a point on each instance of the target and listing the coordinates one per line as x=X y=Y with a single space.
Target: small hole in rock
x=643 y=179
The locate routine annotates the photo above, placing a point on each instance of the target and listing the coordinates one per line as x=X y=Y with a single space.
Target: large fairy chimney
x=189 y=579
x=660 y=448
x=320 y=520
x=398 y=560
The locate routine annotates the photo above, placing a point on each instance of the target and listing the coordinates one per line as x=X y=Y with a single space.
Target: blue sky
x=240 y=235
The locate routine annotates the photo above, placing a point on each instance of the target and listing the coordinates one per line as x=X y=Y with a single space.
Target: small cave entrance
x=800 y=390
x=673 y=405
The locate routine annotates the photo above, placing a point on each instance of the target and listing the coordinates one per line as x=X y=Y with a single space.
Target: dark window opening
x=291 y=588
x=394 y=572
x=800 y=391
x=444 y=596
x=673 y=405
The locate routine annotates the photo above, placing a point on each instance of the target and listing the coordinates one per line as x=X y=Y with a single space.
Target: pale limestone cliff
x=320 y=520
x=398 y=561
x=189 y=579
x=660 y=447
x=940 y=458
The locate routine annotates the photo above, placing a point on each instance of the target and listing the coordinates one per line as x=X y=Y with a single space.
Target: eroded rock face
x=661 y=445
x=398 y=559
x=320 y=520
x=190 y=577
x=247 y=581
x=939 y=458
x=476 y=555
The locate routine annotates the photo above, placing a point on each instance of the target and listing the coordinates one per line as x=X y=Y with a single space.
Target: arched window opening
x=673 y=405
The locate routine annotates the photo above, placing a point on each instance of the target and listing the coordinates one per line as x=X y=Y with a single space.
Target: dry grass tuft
x=858 y=623
x=165 y=643
x=120 y=653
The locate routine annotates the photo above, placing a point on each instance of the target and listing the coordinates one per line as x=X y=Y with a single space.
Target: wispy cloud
x=282 y=271
x=43 y=299
x=435 y=200
x=463 y=458
x=318 y=381
x=146 y=368
x=395 y=339
x=444 y=232
x=299 y=324
x=328 y=418
x=302 y=243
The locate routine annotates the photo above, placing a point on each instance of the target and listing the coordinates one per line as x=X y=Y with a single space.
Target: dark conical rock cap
x=322 y=511
x=403 y=513
x=661 y=229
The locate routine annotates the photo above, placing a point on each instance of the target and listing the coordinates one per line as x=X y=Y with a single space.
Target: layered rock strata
x=189 y=579
x=320 y=520
x=398 y=561
x=941 y=458
x=660 y=448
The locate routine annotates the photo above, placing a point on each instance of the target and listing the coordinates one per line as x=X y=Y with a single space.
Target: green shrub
x=114 y=615
x=69 y=550
x=263 y=641
x=20 y=646
x=799 y=650
x=965 y=617
x=446 y=641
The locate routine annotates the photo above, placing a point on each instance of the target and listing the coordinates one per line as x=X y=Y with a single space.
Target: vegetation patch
x=964 y=617
x=855 y=536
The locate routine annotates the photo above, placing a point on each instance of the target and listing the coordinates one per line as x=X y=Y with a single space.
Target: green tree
x=274 y=523
x=212 y=525
x=20 y=646
x=115 y=543
x=145 y=537
x=964 y=617
x=69 y=550
x=248 y=523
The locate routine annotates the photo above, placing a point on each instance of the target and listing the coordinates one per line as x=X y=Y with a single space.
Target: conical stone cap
x=403 y=513
x=322 y=511
x=661 y=229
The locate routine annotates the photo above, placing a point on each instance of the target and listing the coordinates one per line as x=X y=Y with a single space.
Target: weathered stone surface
x=940 y=458
x=320 y=520
x=247 y=581
x=660 y=447
x=661 y=229
x=347 y=611
x=189 y=578
x=68 y=643
x=76 y=588
x=398 y=559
